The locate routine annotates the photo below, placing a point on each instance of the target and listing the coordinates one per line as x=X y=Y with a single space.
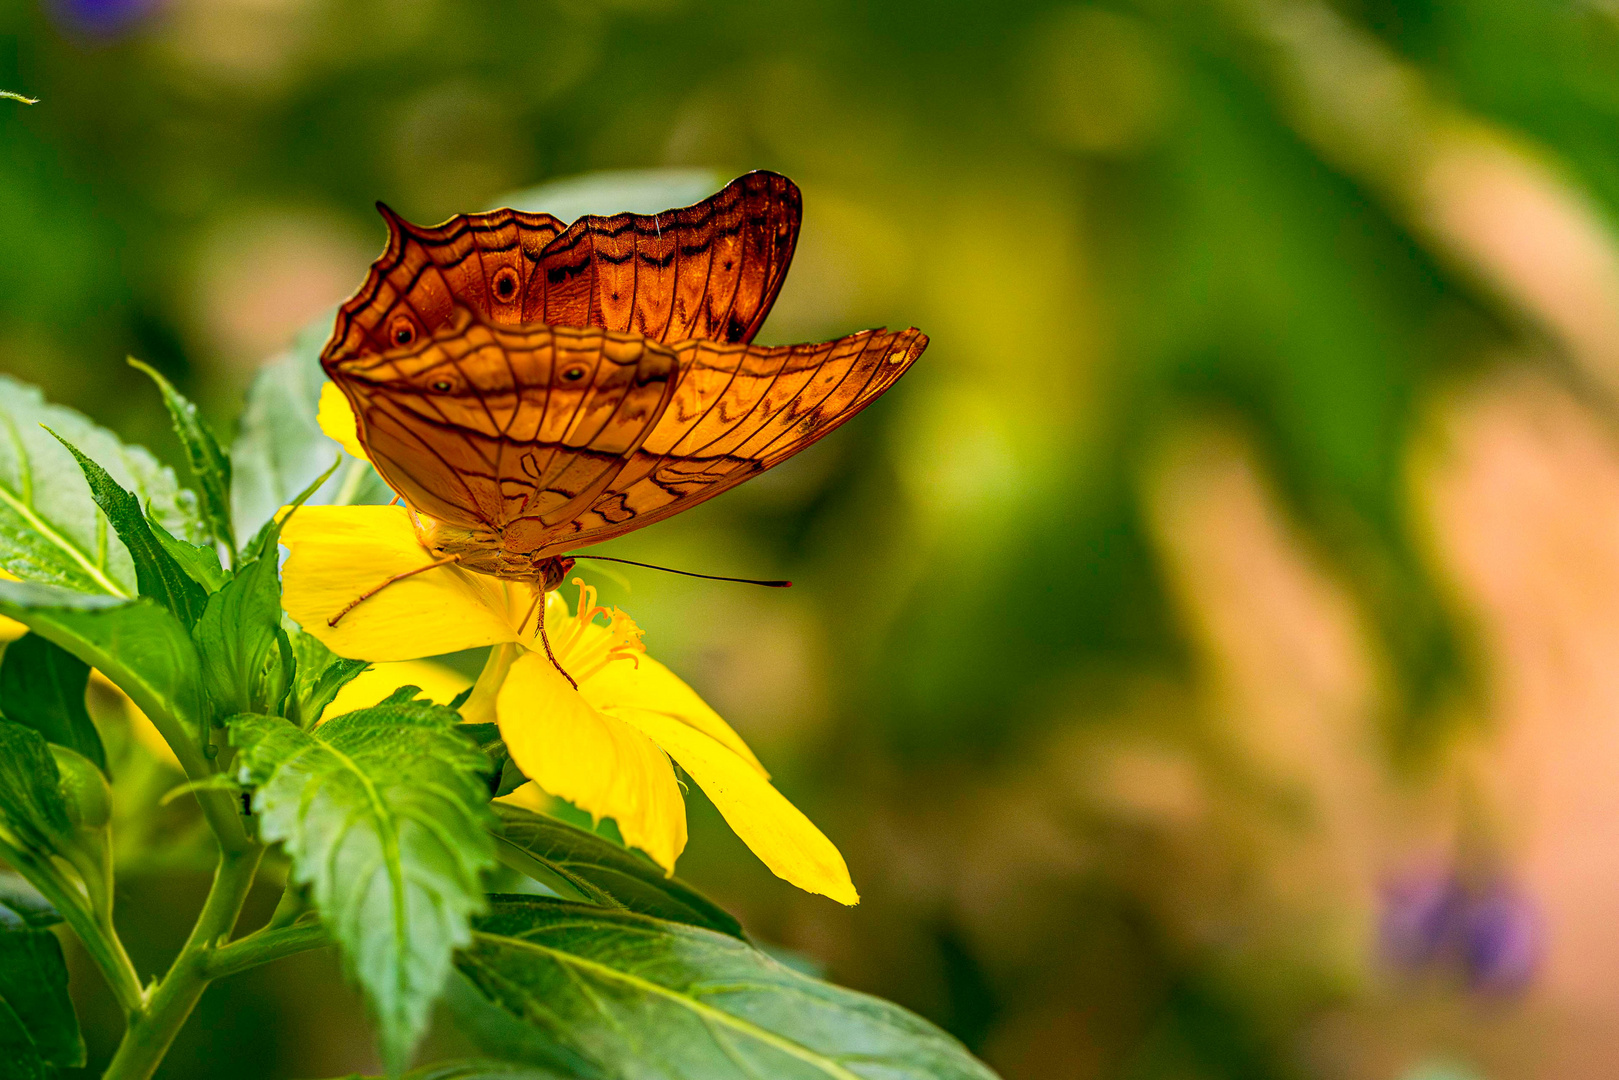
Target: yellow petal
x=339 y=553
x=10 y=629
x=777 y=831
x=336 y=419
x=600 y=764
x=438 y=682
x=643 y=683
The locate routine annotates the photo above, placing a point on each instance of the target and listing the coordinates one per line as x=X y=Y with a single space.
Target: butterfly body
x=529 y=389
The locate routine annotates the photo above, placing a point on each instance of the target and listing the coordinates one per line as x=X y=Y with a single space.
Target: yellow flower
x=11 y=629
x=605 y=746
x=336 y=419
x=437 y=682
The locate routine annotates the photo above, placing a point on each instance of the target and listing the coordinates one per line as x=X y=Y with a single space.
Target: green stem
x=266 y=945
x=94 y=930
x=152 y=1031
x=292 y=906
x=352 y=478
x=479 y=708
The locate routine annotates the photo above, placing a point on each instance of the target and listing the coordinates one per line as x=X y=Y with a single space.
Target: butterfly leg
x=357 y=601
x=546 y=641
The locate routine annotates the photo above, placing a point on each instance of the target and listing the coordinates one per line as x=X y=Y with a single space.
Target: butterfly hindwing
x=507 y=430
x=484 y=262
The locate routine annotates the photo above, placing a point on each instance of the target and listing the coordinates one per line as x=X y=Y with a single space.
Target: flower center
x=583 y=646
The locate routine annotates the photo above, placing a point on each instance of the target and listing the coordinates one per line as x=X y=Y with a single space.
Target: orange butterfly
x=530 y=388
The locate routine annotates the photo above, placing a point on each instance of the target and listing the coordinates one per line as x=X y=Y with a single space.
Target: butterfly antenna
x=689 y=573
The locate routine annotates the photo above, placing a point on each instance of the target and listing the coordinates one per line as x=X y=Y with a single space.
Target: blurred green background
x=1205 y=657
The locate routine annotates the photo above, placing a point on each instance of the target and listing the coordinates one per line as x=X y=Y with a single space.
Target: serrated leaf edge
x=707 y=1013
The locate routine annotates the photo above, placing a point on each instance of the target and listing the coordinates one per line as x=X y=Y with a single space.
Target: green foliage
x=25 y=902
x=382 y=814
x=135 y=643
x=54 y=803
x=595 y=870
x=481 y=1070
x=51 y=531
x=42 y=686
x=320 y=674
x=39 y=1032
x=208 y=462
x=199 y=561
x=247 y=662
x=477 y=1070
x=32 y=811
x=85 y=792
x=157 y=575
x=280 y=449
x=613 y=993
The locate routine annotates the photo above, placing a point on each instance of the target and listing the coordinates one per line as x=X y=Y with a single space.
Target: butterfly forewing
x=735 y=412
x=711 y=270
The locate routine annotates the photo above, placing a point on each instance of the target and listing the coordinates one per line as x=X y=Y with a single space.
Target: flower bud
x=84 y=790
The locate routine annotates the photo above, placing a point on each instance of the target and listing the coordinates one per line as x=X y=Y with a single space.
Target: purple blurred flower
x=100 y=18
x=1420 y=912
x=1484 y=928
x=1501 y=940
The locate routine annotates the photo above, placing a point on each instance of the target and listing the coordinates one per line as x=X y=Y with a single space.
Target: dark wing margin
x=736 y=411
x=711 y=270
x=425 y=273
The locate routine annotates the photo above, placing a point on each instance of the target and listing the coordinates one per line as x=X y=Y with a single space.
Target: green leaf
x=605 y=873
x=26 y=902
x=208 y=462
x=475 y=1070
x=636 y=996
x=502 y=772
x=140 y=646
x=38 y=1029
x=321 y=673
x=50 y=528
x=279 y=448
x=32 y=810
x=156 y=573
x=199 y=561
x=246 y=661
x=269 y=533
x=42 y=686
x=382 y=812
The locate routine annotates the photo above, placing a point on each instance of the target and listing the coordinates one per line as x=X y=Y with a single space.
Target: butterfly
x=529 y=388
